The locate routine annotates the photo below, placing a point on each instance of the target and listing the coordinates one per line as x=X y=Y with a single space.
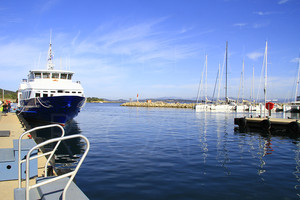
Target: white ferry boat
x=50 y=95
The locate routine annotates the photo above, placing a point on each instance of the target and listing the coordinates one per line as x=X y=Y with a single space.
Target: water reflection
x=202 y=137
x=69 y=151
x=180 y=154
x=225 y=147
x=221 y=128
x=261 y=154
x=291 y=115
x=297 y=171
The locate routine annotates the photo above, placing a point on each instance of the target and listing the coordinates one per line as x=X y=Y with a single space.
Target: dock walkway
x=290 y=126
x=10 y=129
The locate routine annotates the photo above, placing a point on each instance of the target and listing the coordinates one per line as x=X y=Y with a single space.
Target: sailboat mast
x=226 y=97
x=243 y=76
x=205 y=78
x=297 y=79
x=216 y=82
x=252 y=89
x=266 y=77
x=220 y=79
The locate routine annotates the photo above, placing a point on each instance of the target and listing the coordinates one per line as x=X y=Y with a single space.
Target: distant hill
x=8 y=95
x=103 y=100
x=93 y=99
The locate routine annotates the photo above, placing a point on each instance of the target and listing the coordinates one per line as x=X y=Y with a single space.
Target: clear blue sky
x=152 y=47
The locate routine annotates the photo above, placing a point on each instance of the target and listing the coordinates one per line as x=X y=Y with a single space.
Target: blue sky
x=155 y=48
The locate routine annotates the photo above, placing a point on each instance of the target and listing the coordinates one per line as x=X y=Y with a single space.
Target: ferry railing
x=71 y=174
x=51 y=153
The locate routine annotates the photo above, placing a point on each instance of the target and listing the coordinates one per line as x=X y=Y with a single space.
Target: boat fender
x=237 y=121
x=294 y=128
x=265 y=125
x=243 y=124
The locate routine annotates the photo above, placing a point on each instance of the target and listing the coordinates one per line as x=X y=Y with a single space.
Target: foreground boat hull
x=59 y=109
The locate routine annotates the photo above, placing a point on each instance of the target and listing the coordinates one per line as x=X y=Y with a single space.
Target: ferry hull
x=59 y=109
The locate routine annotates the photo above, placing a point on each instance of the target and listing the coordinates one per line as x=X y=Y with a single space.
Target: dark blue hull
x=59 y=109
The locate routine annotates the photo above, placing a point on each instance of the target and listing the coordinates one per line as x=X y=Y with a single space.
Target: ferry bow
x=50 y=95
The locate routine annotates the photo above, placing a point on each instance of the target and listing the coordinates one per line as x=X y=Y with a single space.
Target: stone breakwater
x=159 y=104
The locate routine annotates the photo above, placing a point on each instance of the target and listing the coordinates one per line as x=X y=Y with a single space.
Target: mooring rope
x=43 y=104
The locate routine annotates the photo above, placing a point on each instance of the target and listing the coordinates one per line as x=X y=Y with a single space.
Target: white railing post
x=71 y=174
x=19 y=148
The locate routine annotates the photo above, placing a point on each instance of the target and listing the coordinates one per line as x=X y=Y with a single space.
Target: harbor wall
x=159 y=104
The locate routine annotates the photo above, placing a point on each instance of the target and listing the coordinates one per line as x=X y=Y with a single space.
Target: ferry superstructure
x=50 y=95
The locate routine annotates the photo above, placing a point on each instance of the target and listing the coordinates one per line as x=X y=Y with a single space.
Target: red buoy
x=269 y=105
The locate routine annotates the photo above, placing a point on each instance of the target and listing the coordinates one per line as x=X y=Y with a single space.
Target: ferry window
x=45 y=95
x=73 y=92
x=60 y=91
x=37 y=75
x=37 y=94
x=69 y=76
x=63 y=76
x=31 y=76
x=46 y=75
x=79 y=92
x=52 y=91
x=67 y=91
x=55 y=75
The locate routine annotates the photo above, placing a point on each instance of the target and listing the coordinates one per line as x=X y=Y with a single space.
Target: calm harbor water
x=157 y=153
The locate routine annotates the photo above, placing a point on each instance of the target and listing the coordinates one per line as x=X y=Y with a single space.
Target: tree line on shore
x=8 y=95
x=94 y=99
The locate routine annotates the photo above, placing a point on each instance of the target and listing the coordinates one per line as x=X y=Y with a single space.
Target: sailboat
x=241 y=107
x=203 y=107
x=224 y=106
x=295 y=107
x=261 y=107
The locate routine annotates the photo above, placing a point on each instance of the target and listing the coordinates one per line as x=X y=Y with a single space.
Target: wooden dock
x=10 y=129
x=289 y=126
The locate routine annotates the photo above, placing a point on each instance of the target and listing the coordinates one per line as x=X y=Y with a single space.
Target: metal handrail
x=71 y=174
x=51 y=152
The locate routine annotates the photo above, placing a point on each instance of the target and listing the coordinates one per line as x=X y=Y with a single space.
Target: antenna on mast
x=50 y=64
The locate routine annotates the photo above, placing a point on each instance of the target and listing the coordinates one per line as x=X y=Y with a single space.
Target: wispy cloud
x=177 y=86
x=260 y=24
x=47 y=5
x=261 y=13
x=254 y=55
x=75 y=39
x=240 y=24
x=112 y=53
x=282 y=2
x=185 y=29
x=17 y=54
x=139 y=43
x=295 y=60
